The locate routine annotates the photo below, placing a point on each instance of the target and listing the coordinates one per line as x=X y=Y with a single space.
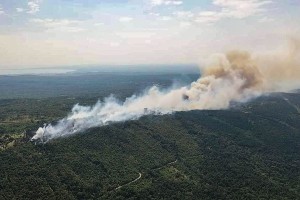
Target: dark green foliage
x=248 y=152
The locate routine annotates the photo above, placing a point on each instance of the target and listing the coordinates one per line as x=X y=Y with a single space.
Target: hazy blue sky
x=68 y=32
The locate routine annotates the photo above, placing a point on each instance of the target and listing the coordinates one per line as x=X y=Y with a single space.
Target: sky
x=50 y=33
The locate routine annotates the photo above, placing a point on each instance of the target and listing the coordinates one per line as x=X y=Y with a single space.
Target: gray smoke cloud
x=236 y=76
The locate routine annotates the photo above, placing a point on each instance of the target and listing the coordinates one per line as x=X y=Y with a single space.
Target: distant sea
x=36 y=71
x=94 y=82
x=154 y=69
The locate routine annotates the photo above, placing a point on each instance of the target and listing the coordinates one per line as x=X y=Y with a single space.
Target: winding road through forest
x=140 y=175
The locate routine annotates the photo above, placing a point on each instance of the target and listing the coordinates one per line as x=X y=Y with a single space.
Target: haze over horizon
x=48 y=33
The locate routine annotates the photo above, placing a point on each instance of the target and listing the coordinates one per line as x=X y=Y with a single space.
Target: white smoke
x=234 y=77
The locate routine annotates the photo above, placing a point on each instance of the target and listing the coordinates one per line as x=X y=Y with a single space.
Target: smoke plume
x=234 y=77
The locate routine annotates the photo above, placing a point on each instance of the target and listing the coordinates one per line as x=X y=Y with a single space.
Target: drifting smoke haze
x=282 y=70
x=233 y=77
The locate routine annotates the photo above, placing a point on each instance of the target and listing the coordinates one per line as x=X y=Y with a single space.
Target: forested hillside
x=250 y=151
